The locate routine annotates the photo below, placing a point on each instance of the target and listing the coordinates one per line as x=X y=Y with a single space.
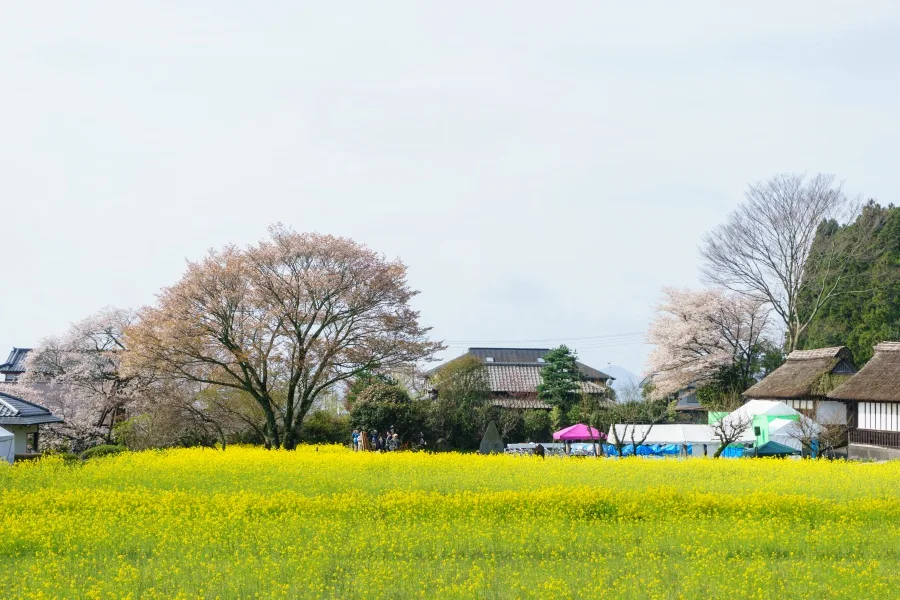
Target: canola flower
x=251 y=523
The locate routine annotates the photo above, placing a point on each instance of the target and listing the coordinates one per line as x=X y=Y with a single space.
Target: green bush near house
x=104 y=450
x=323 y=427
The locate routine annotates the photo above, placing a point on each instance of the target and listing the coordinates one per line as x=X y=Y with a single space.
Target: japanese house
x=23 y=419
x=872 y=397
x=515 y=373
x=14 y=367
x=804 y=381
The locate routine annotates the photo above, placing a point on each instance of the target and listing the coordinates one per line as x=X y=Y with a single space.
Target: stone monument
x=491 y=442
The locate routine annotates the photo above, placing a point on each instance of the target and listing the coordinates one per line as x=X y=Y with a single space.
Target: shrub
x=382 y=406
x=323 y=427
x=537 y=425
x=104 y=450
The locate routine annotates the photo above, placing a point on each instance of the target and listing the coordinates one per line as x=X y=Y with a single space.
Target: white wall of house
x=827 y=411
x=21 y=432
x=879 y=416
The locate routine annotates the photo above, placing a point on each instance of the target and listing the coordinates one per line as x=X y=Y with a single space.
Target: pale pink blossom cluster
x=695 y=332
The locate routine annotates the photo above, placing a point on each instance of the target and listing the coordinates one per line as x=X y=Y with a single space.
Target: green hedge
x=98 y=451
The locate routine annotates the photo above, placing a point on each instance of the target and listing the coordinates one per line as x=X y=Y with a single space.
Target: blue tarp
x=646 y=450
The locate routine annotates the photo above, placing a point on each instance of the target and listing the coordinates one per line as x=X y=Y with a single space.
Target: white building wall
x=879 y=416
x=21 y=440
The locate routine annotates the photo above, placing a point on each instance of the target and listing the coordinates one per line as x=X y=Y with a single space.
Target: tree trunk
x=271 y=430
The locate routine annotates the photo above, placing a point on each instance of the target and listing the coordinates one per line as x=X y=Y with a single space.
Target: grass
x=249 y=523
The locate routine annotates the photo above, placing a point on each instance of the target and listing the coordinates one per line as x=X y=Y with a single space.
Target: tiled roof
x=521 y=403
x=15 y=411
x=16 y=361
x=524 y=357
x=525 y=378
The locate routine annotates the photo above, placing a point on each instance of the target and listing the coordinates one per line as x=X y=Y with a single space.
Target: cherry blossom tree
x=79 y=376
x=696 y=333
x=284 y=321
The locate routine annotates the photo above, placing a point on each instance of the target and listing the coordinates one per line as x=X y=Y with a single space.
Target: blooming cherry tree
x=284 y=321
x=78 y=376
x=694 y=333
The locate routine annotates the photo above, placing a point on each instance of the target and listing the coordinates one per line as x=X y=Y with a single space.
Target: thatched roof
x=878 y=381
x=801 y=373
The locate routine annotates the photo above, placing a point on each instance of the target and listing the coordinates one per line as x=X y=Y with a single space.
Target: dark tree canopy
x=866 y=310
x=560 y=379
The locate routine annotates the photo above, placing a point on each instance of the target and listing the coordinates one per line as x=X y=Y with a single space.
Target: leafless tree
x=730 y=429
x=638 y=419
x=766 y=249
x=823 y=438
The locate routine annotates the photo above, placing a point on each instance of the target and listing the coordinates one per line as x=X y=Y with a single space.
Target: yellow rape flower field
x=249 y=523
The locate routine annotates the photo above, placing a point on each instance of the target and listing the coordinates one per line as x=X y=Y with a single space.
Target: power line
x=588 y=338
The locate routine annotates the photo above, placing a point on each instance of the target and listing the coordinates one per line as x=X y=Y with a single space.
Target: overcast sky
x=543 y=168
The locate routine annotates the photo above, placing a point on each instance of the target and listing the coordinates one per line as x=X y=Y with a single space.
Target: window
x=489 y=359
x=756 y=431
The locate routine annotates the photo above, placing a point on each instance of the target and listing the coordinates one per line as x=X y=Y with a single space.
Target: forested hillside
x=867 y=310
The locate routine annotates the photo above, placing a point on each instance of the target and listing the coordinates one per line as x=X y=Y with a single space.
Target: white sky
x=543 y=168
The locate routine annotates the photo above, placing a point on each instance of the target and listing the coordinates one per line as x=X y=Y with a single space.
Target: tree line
x=243 y=346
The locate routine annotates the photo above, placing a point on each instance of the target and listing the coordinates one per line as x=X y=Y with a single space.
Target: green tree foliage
x=536 y=425
x=324 y=427
x=560 y=380
x=867 y=310
x=361 y=382
x=462 y=410
x=382 y=406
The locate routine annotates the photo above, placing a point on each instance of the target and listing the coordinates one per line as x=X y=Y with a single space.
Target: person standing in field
x=354 y=440
x=393 y=443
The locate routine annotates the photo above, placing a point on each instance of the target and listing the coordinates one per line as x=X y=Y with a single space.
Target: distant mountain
x=624 y=381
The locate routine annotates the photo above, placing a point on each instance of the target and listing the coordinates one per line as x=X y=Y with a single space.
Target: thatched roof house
x=805 y=379
x=873 y=400
x=879 y=379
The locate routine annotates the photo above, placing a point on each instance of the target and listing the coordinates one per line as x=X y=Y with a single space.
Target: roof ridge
x=887 y=347
x=7 y=404
x=23 y=400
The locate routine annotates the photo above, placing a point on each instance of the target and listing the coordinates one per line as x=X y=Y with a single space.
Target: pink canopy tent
x=578 y=432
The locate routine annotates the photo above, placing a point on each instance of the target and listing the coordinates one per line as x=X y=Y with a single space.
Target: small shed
x=804 y=381
x=23 y=419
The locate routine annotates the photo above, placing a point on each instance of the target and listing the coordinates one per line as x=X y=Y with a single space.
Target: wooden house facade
x=872 y=397
x=804 y=381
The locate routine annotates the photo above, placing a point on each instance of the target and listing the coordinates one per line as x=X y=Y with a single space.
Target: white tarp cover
x=786 y=431
x=769 y=408
x=672 y=434
x=7 y=446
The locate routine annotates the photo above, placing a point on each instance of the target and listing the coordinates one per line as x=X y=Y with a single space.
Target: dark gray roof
x=529 y=357
x=16 y=361
x=525 y=378
x=15 y=411
x=521 y=403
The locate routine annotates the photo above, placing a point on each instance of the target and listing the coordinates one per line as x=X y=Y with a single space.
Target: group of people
x=388 y=441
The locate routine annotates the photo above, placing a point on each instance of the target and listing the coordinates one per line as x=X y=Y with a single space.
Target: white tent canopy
x=7 y=447
x=671 y=434
x=769 y=408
